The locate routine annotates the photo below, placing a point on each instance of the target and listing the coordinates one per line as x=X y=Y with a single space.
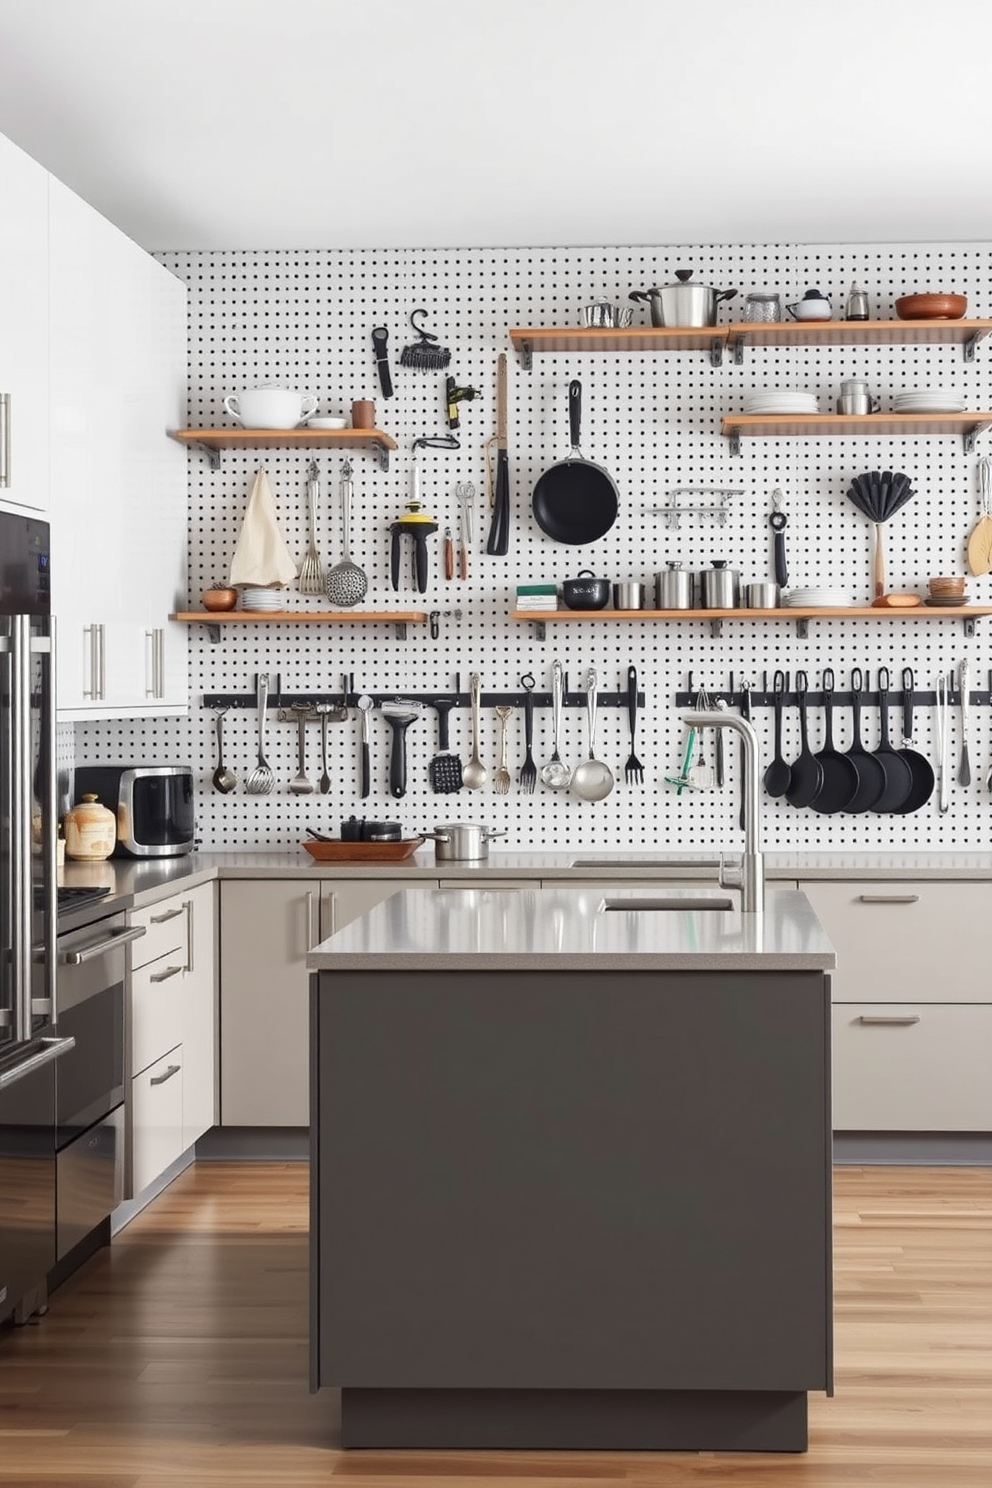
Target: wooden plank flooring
x=178 y=1356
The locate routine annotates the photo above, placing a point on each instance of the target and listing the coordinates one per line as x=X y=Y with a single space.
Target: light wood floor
x=179 y=1356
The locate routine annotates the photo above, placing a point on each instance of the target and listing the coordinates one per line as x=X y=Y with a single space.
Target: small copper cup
x=363 y=414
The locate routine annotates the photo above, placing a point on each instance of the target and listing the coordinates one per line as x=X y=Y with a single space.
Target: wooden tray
x=361 y=852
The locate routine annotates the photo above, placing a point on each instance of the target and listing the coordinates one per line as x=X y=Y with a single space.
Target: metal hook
x=424 y=335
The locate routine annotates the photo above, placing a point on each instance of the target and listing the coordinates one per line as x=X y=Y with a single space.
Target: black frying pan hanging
x=871 y=775
x=898 y=775
x=575 y=501
x=807 y=773
x=923 y=777
x=840 y=773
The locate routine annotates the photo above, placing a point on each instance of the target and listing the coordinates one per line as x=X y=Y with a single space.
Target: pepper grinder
x=857 y=305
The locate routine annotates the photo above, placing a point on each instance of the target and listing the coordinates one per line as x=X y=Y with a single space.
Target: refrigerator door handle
x=21 y=887
x=4 y=439
x=43 y=1051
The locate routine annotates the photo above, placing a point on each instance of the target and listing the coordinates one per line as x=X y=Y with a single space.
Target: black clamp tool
x=380 y=338
x=778 y=522
x=455 y=395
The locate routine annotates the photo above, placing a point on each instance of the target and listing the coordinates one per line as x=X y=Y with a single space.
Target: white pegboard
x=305 y=319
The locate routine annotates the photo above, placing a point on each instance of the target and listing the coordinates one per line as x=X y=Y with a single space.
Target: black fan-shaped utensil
x=878 y=496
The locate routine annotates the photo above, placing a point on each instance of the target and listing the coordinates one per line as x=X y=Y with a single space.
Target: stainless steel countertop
x=136 y=883
x=571 y=929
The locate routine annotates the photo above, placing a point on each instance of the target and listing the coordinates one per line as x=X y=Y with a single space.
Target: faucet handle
x=730 y=875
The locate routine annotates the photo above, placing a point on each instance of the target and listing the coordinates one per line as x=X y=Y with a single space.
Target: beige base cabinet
x=912 y=1004
x=171 y=1033
x=267 y=928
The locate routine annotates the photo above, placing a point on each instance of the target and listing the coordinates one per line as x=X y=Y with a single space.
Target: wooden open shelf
x=212 y=441
x=528 y=340
x=214 y=619
x=967 y=613
x=738 y=426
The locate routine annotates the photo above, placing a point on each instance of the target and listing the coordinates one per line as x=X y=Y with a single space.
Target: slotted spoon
x=346 y=582
x=261 y=781
x=311 y=579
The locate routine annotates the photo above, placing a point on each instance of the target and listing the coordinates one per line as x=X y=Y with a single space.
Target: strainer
x=346 y=582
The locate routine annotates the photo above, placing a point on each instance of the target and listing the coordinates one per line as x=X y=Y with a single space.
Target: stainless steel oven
x=89 y=1079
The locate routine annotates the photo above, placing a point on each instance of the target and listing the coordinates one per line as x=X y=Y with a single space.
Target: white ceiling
x=360 y=123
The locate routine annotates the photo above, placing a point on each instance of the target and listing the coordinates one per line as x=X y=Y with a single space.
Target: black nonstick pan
x=898 y=775
x=871 y=775
x=923 y=776
x=840 y=773
x=575 y=501
x=806 y=776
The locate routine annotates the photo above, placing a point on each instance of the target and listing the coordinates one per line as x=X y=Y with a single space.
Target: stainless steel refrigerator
x=29 y=1040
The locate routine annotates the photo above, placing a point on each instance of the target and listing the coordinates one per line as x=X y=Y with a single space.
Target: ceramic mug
x=270 y=408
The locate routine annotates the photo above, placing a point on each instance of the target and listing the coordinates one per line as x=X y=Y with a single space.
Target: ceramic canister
x=90 y=831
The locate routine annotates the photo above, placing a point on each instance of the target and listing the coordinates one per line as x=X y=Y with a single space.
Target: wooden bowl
x=946 y=584
x=931 y=306
x=220 y=599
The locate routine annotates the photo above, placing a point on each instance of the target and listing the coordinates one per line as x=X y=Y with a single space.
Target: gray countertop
x=571 y=929
x=133 y=882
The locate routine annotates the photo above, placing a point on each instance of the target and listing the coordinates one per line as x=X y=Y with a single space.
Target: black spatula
x=445 y=770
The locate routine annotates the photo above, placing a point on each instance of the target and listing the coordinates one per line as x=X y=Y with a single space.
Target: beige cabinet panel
x=267 y=926
x=912 y=1067
x=166 y=926
x=156 y=1119
x=198 y=989
x=156 y=1009
x=906 y=941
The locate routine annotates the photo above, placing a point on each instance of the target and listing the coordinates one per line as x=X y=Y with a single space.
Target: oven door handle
x=116 y=938
x=50 y=1049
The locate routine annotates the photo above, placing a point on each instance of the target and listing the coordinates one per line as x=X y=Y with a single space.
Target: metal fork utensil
x=261 y=781
x=501 y=779
x=527 y=779
x=633 y=770
x=311 y=579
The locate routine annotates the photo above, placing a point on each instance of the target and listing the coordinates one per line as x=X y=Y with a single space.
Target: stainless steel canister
x=763 y=596
x=628 y=595
x=721 y=586
x=673 y=588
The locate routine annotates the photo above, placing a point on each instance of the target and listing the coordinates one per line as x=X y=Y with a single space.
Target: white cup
x=270 y=408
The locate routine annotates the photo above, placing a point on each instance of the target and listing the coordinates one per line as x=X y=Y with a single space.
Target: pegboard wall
x=304 y=320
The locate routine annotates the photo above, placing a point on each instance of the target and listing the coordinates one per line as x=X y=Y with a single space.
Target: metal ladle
x=592 y=780
x=224 y=779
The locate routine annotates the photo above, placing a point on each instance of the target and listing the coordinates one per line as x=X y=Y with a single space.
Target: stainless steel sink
x=686 y=901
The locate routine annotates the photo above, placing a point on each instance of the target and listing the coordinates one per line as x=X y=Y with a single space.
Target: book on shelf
x=537 y=602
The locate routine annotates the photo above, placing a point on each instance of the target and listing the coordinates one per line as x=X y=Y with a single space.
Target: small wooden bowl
x=946 y=584
x=931 y=306
x=220 y=599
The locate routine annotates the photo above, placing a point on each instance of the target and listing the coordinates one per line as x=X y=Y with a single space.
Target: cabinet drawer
x=906 y=942
x=156 y=1010
x=156 y=1119
x=166 y=932
x=912 y=1067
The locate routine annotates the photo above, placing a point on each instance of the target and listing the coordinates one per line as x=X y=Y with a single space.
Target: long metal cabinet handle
x=102 y=635
x=116 y=938
x=893 y=1020
x=173 y=1069
x=188 y=907
x=163 y=919
x=4 y=439
x=53 y=1048
x=310 y=940
x=156 y=675
x=97 y=690
x=889 y=898
x=170 y=971
x=20 y=808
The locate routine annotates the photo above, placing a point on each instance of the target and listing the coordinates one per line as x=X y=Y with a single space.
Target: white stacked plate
x=933 y=400
x=785 y=400
x=261 y=598
x=809 y=599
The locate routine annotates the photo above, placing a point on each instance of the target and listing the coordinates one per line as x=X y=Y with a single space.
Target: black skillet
x=923 y=777
x=871 y=775
x=806 y=776
x=898 y=775
x=840 y=773
x=575 y=501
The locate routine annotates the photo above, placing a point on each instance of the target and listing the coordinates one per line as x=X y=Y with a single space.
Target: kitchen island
x=571 y=1170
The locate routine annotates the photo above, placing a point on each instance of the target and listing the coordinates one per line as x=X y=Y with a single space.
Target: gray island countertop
x=572 y=929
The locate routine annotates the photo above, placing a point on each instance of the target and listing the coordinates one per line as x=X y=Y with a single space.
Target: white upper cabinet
x=118 y=372
x=23 y=330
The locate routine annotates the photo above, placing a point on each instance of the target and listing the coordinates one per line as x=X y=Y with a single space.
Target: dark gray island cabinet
x=571 y=1174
